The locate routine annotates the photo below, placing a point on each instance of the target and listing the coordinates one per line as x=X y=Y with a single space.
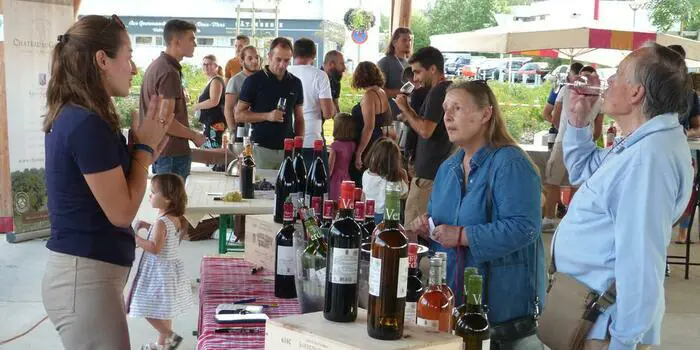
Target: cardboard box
x=260 y=233
x=313 y=332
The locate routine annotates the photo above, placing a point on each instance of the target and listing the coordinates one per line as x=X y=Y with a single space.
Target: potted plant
x=359 y=20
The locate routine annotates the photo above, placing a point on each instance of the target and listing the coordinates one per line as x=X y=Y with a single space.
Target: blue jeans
x=378 y=218
x=179 y=165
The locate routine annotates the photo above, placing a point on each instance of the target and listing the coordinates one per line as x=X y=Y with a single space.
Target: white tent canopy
x=583 y=40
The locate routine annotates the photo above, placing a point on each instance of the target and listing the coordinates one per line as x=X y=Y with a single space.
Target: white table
x=200 y=204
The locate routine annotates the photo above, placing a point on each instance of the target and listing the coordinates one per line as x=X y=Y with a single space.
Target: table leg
x=223 y=228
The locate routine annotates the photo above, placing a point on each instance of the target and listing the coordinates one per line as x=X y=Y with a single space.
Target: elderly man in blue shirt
x=619 y=223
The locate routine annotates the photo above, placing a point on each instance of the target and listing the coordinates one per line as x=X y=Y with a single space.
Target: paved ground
x=22 y=266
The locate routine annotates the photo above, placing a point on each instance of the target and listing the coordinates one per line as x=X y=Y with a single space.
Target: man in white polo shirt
x=318 y=101
x=556 y=174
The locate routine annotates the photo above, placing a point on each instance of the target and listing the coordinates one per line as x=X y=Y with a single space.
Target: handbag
x=571 y=310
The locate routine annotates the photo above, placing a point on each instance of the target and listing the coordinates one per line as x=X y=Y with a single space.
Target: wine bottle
x=458 y=311
x=369 y=223
x=287 y=182
x=340 y=302
x=314 y=255
x=360 y=219
x=284 y=256
x=473 y=326
x=415 y=287
x=247 y=171
x=327 y=220
x=240 y=132
x=317 y=179
x=388 y=273
x=432 y=310
x=300 y=167
x=445 y=288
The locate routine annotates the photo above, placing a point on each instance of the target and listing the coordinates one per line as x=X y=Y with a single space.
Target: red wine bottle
x=247 y=171
x=369 y=223
x=414 y=285
x=284 y=256
x=327 y=220
x=343 y=259
x=287 y=183
x=317 y=180
x=300 y=168
x=360 y=218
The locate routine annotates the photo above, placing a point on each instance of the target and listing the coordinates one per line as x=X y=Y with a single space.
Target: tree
x=421 y=31
x=384 y=23
x=665 y=13
x=454 y=16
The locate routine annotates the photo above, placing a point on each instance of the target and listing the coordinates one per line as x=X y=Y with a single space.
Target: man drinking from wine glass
x=268 y=100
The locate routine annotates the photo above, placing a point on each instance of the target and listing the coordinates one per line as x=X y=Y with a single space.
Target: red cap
x=347 y=195
x=316 y=205
x=318 y=145
x=360 y=211
x=369 y=205
x=358 y=194
x=298 y=141
x=328 y=209
x=412 y=255
x=288 y=211
x=288 y=144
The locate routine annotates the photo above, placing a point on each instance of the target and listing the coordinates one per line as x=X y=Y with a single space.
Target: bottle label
x=344 y=265
x=321 y=275
x=313 y=229
x=486 y=344
x=403 y=278
x=409 y=315
x=240 y=132
x=285 y=261
x=274 y=208
x=295 y=200
x=432 y=324
x=316 y=205
x=412 y=260
x=375 y=276
x=551 y=138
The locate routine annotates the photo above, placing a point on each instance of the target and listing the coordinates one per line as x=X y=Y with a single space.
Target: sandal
x=151 y=346
x=173 y=341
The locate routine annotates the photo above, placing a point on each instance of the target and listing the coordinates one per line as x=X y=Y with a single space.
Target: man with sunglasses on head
x=433 y=145
x=164 y=78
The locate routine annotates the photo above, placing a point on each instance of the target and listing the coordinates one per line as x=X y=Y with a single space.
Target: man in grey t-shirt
x=392 y=65
x=251 y=64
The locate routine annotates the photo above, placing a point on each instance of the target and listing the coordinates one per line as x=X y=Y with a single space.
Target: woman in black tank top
x=211 y=104
x=370 y=114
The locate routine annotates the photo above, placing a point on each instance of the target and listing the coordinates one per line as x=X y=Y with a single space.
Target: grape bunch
x=233 y=197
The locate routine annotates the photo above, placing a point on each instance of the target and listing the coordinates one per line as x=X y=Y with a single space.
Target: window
x=233 y=42
x=159 y=41
x=205 y=41
x=144 y=40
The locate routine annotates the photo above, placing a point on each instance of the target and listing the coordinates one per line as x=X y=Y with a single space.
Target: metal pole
x=359 y=6
x=277 y=19
x=238 y=20
x=253 y=22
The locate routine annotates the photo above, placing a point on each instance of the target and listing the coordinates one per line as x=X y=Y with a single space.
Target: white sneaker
x=549 y=225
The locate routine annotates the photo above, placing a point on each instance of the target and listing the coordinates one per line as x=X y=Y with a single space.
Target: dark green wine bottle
x=473 y=326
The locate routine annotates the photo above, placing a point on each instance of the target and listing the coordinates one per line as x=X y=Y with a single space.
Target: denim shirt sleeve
x=643 y=220
x=516 y=212
x=581 y=155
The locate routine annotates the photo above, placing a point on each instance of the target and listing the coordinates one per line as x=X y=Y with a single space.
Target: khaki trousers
x=418 y=198
x=84 y=300
x=594 y=344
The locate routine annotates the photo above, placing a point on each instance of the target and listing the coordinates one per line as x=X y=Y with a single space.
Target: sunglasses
x=114 y=20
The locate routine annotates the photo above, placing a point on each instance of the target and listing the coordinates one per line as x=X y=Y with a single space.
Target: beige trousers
x=84 y=300
x=418 y=198
x=603 y=345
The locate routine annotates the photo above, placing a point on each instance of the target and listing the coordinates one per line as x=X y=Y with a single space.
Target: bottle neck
x=474 y=293
x=435 y=275
x=287 y=153
x=346 y=213
x=392 y=209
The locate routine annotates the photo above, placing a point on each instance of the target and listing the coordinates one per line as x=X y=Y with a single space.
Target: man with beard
x=433 y=145
x=334 y=66
x=251 y=64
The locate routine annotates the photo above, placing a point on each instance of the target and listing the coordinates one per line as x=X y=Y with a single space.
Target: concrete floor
x=22 y=267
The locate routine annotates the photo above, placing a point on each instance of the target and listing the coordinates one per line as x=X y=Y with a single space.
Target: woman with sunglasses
x=211 y=103
x=95 y=182
x=495 y=227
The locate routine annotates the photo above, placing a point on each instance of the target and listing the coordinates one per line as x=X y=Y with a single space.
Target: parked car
x=455 y=66
x=469 y=71
x=500 y=67
x=532 y=69
x=558 y=74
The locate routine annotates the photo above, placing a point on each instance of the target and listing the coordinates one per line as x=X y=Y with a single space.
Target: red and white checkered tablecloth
x=227 y=280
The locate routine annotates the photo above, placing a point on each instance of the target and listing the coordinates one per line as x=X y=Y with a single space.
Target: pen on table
x=239 y=330
x=246 y=301
x=256 y=269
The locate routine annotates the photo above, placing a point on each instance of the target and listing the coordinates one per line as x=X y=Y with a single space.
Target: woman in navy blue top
x=95 y=183
x=486 y=207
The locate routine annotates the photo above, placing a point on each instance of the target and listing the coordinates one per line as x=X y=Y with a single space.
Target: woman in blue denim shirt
x=499 y=233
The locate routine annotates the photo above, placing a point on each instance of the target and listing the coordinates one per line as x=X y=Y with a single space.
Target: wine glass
x=588 y=87
x=282 y=104
x=407 y=88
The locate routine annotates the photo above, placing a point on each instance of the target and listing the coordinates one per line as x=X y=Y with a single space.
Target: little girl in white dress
x=161 y=289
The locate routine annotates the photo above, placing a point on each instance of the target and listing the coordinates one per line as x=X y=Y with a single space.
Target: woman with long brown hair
x=486 y=207
x=95 y=182
x=371 y=114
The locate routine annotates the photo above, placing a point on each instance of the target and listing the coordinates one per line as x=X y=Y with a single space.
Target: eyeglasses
x=114 y=20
